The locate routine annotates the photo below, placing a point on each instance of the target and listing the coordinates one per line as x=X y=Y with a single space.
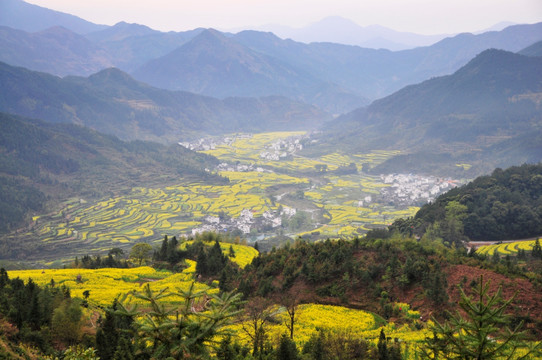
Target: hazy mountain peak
x=111 y=74
x=337 y=29
x=211 y=40
x=210 y=34
x=335 y=21
x=120 y=31
x=132 y=28
x=57 y=31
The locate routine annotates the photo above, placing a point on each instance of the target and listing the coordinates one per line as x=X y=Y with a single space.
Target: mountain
x=497 y=27
x=42 y=163
x=337 y=78
x=114 y=103
x=132 y=45
x=55 y=50
x=486 y=112
x=377 y=73
x=533 y=50
x=336 y=29
x=216 y=65
x=21 y=15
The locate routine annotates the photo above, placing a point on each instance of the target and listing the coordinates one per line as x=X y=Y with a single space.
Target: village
x=402 y=190
x=246 y=222
x=413 y=190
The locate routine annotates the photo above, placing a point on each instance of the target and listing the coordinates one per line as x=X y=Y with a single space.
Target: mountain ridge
x=21 y=15
x=113 y=102
x=487 y=113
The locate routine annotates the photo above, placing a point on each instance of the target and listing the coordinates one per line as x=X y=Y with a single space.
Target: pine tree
x=124 y=350
x=201 y=263
x=163 y=254
x=382 y=346
x=482 y=334
x=225 y=350
x=287 y=349
x=172 y=250
x=4 y=278
x=537 y=250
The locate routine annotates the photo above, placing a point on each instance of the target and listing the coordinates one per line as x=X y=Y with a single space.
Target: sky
x=419 y=16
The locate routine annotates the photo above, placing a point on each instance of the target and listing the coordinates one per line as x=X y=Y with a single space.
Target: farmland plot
x=335 y=319
x=510 y=248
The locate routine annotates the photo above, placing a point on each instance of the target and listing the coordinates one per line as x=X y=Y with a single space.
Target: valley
x=206 y=194
x=273 y=195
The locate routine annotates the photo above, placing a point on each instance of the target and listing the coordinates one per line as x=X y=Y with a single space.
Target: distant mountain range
x=21 y=15
x=489 y=111
x=56 y=50
x=337 y=78
x=336 y=29
x=216 y=65
x=114 y=103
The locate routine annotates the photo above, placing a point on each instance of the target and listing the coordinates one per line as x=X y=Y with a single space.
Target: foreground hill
x=114 y=103
x=374 y=274
x=42 y=163
x=488 y=111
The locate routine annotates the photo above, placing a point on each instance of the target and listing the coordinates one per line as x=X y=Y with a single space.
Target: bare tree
x=291 y=302
x=258 y=312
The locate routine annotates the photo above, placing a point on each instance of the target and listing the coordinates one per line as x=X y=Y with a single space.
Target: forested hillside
x=504 y=205
x=43 y=162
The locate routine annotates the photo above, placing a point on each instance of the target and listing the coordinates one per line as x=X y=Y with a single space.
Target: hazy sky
x=420 y=16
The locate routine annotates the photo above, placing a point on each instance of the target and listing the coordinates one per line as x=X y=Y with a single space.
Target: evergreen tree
x=225 y=350
x=201 y=263
x=163 y=254
x=382 y=346
x=113 y=328
x=173 y=251
x=537 y=250
x=482 y=334
x=287 y=349
x=124 y=350
x=216 y=259
x=4 y=278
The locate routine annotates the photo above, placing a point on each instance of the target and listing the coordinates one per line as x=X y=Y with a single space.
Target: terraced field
x=506 y=248
x=334 y=204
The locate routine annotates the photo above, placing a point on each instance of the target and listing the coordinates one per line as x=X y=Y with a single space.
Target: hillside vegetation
x=505 y=205
x=43 y=162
